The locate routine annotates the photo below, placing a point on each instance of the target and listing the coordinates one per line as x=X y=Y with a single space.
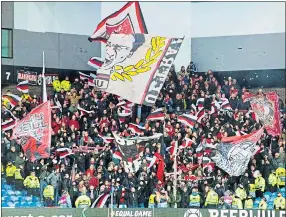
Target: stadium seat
x=39 y=204
x=20 y=198
x=10 y=192
x=7 y=198
x=18 y=193
x=274 y=194
x=17 y=205
x=14 y=198
x=3 y=193
x=7 y=187
x=28 y=199
x=283 y=190
x=24 y=193
x=35 y=199
x=255 y=206
x=4 y=204
x=24 y=204
x=11 y=204
x=32 y=204
x=267 y=193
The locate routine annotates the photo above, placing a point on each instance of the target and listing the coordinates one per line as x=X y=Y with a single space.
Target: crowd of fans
x=78 y=179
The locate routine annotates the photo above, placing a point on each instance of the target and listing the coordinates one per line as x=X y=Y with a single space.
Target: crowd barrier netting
x=165 y=212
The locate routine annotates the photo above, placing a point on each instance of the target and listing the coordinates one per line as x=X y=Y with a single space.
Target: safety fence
x=167 y=212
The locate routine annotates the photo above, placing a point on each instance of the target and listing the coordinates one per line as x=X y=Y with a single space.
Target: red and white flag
x=106 y=139
x=23 y=86
x=8 y=124
x=127 y=20
x=158 y=114
x=64 y=152
x=136 y=129
x=34 y=132
x=188 y=120
x=83 y=76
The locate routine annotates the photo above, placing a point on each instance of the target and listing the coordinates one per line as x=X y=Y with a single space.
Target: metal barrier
x=164 y=212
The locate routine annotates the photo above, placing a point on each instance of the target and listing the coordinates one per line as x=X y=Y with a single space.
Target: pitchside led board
x=136 y=66
x=165 y=212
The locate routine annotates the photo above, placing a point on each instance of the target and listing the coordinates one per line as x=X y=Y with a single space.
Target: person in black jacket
x=132 y=198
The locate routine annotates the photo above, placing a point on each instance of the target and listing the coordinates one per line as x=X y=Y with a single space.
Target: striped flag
x=95 y=62
x=12 y=98
x=187 y=143
x=158 y=114
x=8 y=125
x=100 y=201
x=124 y=113
x=64 y=152
x=136 y=129
x=117 y=155
x=23 y=87
x=106 y=139
x=225 y=104
x=83 y=111
x=91 y=80
x=83 y=76
x=200 y=103
x=188 y=120
x=200 y=115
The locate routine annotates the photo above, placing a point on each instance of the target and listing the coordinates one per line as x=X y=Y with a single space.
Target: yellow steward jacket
x=18 y=175
x=10 y=170
x=212 y=198
x=263 y=205
x=49 y=192
x=241 y=193
x=248 y=204
x=281 y=175
x=260 y=183
x=237 y=203
x=82 y=201
x=31 y=182
x=279 y=203
x=272 y=179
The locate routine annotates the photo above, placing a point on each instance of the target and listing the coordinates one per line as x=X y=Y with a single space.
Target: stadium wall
x=255 y=60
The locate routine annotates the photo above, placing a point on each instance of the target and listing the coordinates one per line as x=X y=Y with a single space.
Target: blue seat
x=283 y=189
x=39 y=204
x=20 y=198
x=17 y=205
x=7 y=187
x=14 y=198
x=32 y=204
x=10 y=192
x=267 y=193
x=7 y=198
x=24 y=193
x=24 y=204
x=18 y=193
x=11 y=204
x=4 y=204
x=35 y=199
x=274 y=194
x=3 y=193
x=28 y=199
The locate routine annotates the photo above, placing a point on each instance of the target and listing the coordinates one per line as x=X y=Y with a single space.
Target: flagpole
x=175 y=174
x=111 y=209
x=44 y=86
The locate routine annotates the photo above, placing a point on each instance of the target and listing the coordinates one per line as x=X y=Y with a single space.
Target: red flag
x=34 y=132
x=266 y=109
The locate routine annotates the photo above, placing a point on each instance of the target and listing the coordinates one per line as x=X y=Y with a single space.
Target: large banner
x=233 y=153
x=137 y=65
x=49 y=79
x=128 y=146
x=34 y=132
x=266 y=109
x=27 y=75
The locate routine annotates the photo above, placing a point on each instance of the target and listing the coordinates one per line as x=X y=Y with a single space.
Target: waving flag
x=8 y=124
x=34 y=132
x=83 y=76
x=136 y=66
x=23 y=86
x=12 y=98
x=127 y=20
x=136 y=129
x=266 y=109
x=188 y=120
x=234 y=153
x=158 y=114
x=64 y=152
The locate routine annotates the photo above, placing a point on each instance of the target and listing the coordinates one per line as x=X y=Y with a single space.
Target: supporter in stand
x=82 y=176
